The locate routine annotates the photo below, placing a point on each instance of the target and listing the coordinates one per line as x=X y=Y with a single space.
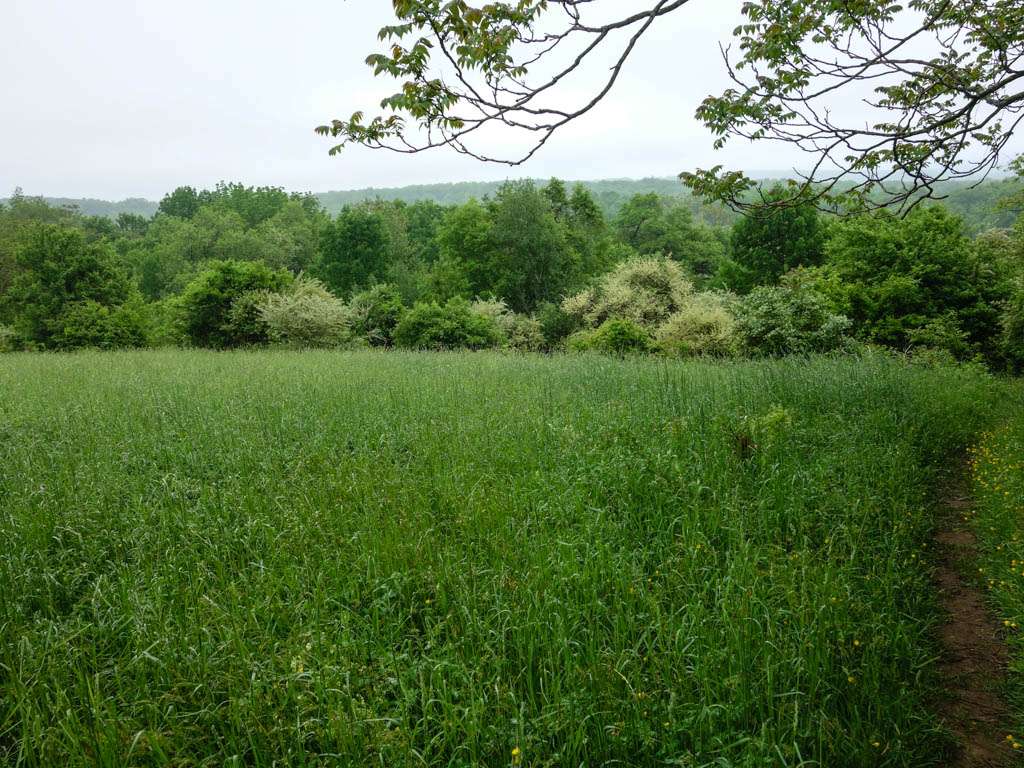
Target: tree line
x=532 y=267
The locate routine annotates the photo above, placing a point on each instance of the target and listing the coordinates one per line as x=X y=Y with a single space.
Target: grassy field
x=470 y=559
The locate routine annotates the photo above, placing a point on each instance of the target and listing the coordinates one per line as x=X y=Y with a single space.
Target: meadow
x=462 y=559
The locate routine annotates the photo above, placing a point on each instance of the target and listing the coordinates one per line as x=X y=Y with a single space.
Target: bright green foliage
x=452 y=325
x=305 y=315
x=615 y=336
x=100 y=326
x=354 y=551
x=704 y=325
x=376 y=313
x=182 y=203
x=210 y=317
x=771 y=240
x=464 y=247
x=352 y=251
x=66 y=292
x=788 y=320
x=896 y=278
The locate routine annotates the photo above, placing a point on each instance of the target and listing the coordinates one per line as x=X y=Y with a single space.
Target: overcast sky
x=115 y=98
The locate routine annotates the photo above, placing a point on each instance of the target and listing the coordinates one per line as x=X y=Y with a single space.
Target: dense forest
x=530 y=267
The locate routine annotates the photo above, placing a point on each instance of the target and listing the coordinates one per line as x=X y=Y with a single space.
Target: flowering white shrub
x=306 y=315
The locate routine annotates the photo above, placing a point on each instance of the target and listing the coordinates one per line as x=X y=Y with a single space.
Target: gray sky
x=115 y=98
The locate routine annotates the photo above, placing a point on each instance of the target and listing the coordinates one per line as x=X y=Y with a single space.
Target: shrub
x=61 y=283
x=644 y=290
x=450 y=326
x=556 y=324
x=306 y=314
x=705 y=325
x=91 y=324
x=8 y=339
x=617 y=336
x=1012 y=339
x=519 y=332
x=375 y=314
x=782 y=320
x=209 y=317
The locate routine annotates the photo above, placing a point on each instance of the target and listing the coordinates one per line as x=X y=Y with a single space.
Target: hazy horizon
x=122 y=101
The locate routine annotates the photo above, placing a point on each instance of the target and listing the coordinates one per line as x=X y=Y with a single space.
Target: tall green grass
x=997 y=470
x=469 y=559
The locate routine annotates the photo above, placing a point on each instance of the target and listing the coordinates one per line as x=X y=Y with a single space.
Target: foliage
x=210 y=317
x=91 y=324
x=556 y=324
x=376 y=313
x=655 y=225
x=8 y=339
x=789 y=319
x=1012 y=339
x=522 y=333
x=352 y=250
x=531 y=259
x=616 y=336
x=704 y=325
x=644 y=290
x=773 y=239
x=67 y=291
x=453 y=325
x=305 y=314
x=895 y=278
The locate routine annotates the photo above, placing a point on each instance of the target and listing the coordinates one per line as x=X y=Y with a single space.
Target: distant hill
x=88 y=206
x=977 y=205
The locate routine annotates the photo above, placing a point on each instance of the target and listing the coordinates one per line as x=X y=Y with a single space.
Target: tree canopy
x=942 y=83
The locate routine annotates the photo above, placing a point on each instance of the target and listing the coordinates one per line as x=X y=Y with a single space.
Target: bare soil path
x=974 y=656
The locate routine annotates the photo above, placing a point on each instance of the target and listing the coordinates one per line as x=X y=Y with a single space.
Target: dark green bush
x=210 y=317
x=376 y=313
x=450 y=326
x=616 y=336
x=556 y=324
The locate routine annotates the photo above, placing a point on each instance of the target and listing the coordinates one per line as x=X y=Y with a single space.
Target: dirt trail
x=974 y=655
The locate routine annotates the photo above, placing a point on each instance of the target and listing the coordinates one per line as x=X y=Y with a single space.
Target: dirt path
x=974 y=656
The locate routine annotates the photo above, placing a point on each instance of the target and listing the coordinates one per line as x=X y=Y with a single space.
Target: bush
x=91 y=324
x=520 y=332
x=305 y=315
x=209 y=315
x=556 y=324
x=376 y=313
x=8 y=339
x=617 y=336
x=704 y=326
x=450 y=326
x=782 y=320
x=645 y=291
x=1012 y=339
x=67 y=291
